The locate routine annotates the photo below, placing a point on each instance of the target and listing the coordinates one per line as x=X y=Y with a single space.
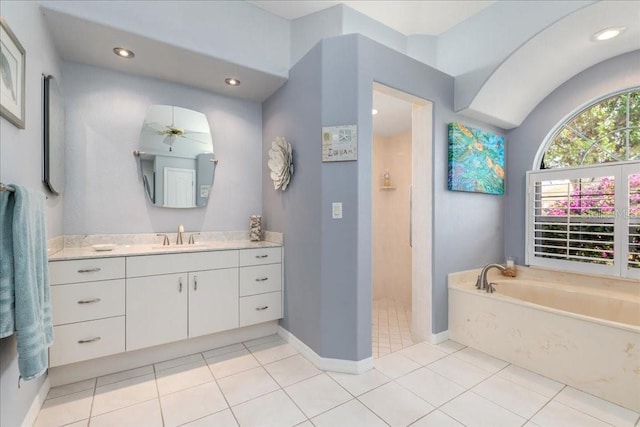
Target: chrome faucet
x=192 y=240
x=179 y=240
x=482 y=282
x=165 y=241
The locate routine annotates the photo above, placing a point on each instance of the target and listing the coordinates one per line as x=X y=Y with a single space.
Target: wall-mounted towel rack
x=6 y=187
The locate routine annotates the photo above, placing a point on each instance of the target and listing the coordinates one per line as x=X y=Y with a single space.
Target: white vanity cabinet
x=260 y=285
x=198 y=297
x=88 y=308
x=104 y=306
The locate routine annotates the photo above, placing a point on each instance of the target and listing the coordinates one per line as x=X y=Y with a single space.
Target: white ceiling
x=431 y=17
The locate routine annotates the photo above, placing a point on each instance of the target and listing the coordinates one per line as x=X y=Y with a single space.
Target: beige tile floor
x=390 y=326
x=265 y=382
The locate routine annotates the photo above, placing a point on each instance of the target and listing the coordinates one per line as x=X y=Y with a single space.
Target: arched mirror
x=176 y=157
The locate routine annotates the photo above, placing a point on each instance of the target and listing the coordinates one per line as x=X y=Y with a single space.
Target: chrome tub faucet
x=482 y=282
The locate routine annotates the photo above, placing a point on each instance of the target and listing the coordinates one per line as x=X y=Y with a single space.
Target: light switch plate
x=336 y=210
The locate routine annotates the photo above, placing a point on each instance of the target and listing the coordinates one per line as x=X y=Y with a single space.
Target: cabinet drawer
x=260 y=256
x=149 y=265
x=260 y=279
x=85 y=270
x=260 y=308
x=80 y=302
x=87 y=340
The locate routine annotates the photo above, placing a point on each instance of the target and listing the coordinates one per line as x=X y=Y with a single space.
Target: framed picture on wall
x=340 y=143
x=476 y=160
x=12 y=76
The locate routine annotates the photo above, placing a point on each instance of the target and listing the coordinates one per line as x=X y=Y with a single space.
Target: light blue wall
x=328 y=262
x=339 y=20
x=342 y=309
x=294 y=112
x=609 y=76
x=355 y=22
x=423 y=48
x=307 y=30
x=21 y=163
x=105 y=111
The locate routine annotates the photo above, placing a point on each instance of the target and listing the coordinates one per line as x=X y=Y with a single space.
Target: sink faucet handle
x=165 y=241
x=192 y=240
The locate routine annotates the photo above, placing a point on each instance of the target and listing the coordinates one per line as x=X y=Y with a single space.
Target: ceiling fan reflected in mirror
x=173 y=131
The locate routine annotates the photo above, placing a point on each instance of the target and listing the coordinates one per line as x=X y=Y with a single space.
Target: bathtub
x=580 y=330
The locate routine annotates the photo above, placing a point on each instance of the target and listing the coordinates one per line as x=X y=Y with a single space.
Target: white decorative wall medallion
x=280 y=163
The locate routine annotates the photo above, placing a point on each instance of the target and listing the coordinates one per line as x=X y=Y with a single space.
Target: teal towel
x=7 y=324
x=34 y=329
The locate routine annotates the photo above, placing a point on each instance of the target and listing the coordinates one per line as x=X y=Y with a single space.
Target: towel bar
x=6 y=187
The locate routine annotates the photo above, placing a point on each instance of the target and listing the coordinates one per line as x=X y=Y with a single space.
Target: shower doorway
x=401 y=220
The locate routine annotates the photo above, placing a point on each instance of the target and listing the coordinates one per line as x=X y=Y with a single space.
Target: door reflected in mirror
x=176 y=157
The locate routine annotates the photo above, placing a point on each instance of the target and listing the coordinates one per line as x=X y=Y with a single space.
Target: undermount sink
x=192 y=246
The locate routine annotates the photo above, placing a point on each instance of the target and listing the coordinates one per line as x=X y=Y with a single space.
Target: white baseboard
x=326 y=363
x=38 y=401
x=439 y=337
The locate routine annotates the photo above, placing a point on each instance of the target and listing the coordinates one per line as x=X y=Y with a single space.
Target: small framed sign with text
x=339 y=143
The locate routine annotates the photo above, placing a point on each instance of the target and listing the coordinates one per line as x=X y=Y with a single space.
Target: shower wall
x=391 y=250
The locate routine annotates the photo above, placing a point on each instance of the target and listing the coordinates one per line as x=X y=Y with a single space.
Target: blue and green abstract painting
x=476 y=160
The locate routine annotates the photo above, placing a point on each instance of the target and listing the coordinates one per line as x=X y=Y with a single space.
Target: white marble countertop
x=157 y=249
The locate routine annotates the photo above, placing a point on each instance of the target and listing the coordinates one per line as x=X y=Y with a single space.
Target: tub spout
x=482 y=282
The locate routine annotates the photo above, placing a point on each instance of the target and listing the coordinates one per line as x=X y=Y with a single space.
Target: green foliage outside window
x=608 y=131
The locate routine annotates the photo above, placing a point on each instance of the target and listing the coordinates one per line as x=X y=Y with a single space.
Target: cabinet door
x=213 y=301
x=156 y=310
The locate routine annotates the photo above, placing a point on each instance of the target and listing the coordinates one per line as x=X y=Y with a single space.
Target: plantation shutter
x=632 y=176
x=585 y=219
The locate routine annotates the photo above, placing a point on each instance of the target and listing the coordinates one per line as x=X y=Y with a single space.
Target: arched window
x=583 y=205
x=607 y=131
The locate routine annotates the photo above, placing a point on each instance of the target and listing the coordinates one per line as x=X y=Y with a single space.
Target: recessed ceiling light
x=123 y=53
x=232 y=81
x=374 y=112
x=608 y=33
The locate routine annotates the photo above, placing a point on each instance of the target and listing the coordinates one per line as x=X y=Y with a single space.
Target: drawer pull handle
x=195 y=283
x=264 y=307
x=261 y=256
x=180 y=284
x=89 y=270
x=262 y=279
x=89 y=301
x=89 y=340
